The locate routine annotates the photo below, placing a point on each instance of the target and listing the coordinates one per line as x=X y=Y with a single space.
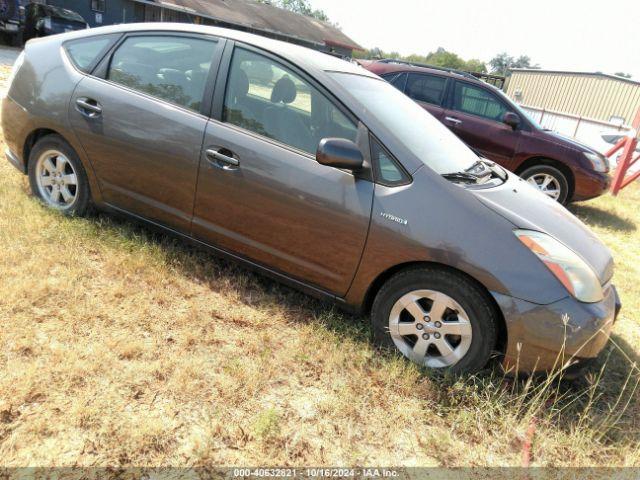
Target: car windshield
x=417 y=129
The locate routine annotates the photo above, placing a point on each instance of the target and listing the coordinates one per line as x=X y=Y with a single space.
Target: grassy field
x=123 y=347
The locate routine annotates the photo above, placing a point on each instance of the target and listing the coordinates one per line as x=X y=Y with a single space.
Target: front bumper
x=590 y=184
x=542 y=338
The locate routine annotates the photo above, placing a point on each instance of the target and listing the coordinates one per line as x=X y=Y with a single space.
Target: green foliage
x=503 y=62
x=267 y=424
x=439 y=58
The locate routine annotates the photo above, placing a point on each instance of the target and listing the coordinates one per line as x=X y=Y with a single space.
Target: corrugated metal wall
x=585 y=95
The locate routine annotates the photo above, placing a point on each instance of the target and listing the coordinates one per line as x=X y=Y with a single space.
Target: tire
x=471 y=350
x=61 y=183
x=539 y=174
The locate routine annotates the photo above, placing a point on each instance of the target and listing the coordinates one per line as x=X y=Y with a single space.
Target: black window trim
x=447 y=81
x=101 y=70
x=377 y=175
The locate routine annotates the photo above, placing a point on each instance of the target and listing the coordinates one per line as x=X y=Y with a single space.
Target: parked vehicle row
x=497 y=128
x=318 y=173
x=21 y=20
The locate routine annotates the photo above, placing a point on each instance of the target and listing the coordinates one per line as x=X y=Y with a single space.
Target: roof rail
x=426 y=65
x=495 y=80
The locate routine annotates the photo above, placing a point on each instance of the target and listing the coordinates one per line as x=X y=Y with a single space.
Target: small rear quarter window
x=86 y=52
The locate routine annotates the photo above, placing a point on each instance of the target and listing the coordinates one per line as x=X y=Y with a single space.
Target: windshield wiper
x=461 y=177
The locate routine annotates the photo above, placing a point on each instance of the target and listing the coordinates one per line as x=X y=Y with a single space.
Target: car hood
x=527 y=208
x=568 y=142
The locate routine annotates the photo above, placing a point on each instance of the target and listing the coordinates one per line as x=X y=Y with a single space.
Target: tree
x=438 y=58
x=622 y=74
x=299 y=6
x=503 y=62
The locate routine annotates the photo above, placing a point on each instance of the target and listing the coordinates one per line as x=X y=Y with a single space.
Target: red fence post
x=628 y=145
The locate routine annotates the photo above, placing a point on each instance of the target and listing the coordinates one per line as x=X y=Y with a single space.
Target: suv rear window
x=85 y=53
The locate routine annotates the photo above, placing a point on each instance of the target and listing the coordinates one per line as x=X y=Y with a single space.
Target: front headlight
x=598 y=162
x=571 y=270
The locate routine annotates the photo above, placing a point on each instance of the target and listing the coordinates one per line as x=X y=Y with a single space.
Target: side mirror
x=339 y=153
x=511 y=119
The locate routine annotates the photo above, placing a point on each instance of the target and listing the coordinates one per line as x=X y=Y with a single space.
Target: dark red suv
x=494 y=126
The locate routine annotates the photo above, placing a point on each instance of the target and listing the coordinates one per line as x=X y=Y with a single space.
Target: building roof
x=568 y=72
x=262 y=17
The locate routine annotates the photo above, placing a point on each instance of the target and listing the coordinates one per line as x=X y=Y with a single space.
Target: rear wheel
x=57 y=177
x=549 y=180
x=436 y=318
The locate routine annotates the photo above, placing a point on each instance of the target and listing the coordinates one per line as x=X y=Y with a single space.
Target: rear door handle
x=88 y=107
x=453 y=120
x=222 y=157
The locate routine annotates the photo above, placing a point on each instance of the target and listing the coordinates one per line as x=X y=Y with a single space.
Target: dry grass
x=122 y=347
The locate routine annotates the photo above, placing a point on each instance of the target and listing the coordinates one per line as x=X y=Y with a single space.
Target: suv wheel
x=57 y=177
x=549 y=180
x=437 y=319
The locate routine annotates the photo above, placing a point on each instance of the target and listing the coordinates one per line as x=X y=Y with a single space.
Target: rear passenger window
x=86 y=52
x=174 y=69
x=426 y=88
x=267 y=98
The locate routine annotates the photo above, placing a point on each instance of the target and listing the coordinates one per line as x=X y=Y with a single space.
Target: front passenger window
x=173 y=69
x=267 y=98
x=478 y=101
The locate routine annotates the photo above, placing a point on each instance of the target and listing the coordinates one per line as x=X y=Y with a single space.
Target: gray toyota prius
x=316 y=172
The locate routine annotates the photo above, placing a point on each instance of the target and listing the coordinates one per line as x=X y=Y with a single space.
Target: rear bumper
x=14 y=121
x=15 y=161
x=542 y=338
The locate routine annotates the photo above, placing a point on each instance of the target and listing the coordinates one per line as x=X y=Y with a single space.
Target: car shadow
x=602 y=218
x=619 y=362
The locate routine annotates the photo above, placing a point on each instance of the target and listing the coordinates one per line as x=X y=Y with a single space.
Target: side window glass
x=400 y=81
x=174 y=69
x=426 y=88
x=477 y=101
x=269 y=99
x=84 y=53
x=386 y=169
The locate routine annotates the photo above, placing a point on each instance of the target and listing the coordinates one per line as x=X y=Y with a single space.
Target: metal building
x=248 y=15
x=595 y=96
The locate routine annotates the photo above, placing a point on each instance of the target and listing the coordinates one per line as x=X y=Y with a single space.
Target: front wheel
x=549 y=180
x=436 y=318
x=57 y=176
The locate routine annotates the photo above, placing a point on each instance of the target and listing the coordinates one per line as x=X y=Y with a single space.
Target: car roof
x=302 y=56
x=384 y=67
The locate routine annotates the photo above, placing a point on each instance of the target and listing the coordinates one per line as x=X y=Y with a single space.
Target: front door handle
x=222 y=156
x=453 y=120
x=88 y=107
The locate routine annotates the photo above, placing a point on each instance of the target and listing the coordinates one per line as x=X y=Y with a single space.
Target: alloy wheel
x=56 y=180
x=547 y=184
x=430 y=328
